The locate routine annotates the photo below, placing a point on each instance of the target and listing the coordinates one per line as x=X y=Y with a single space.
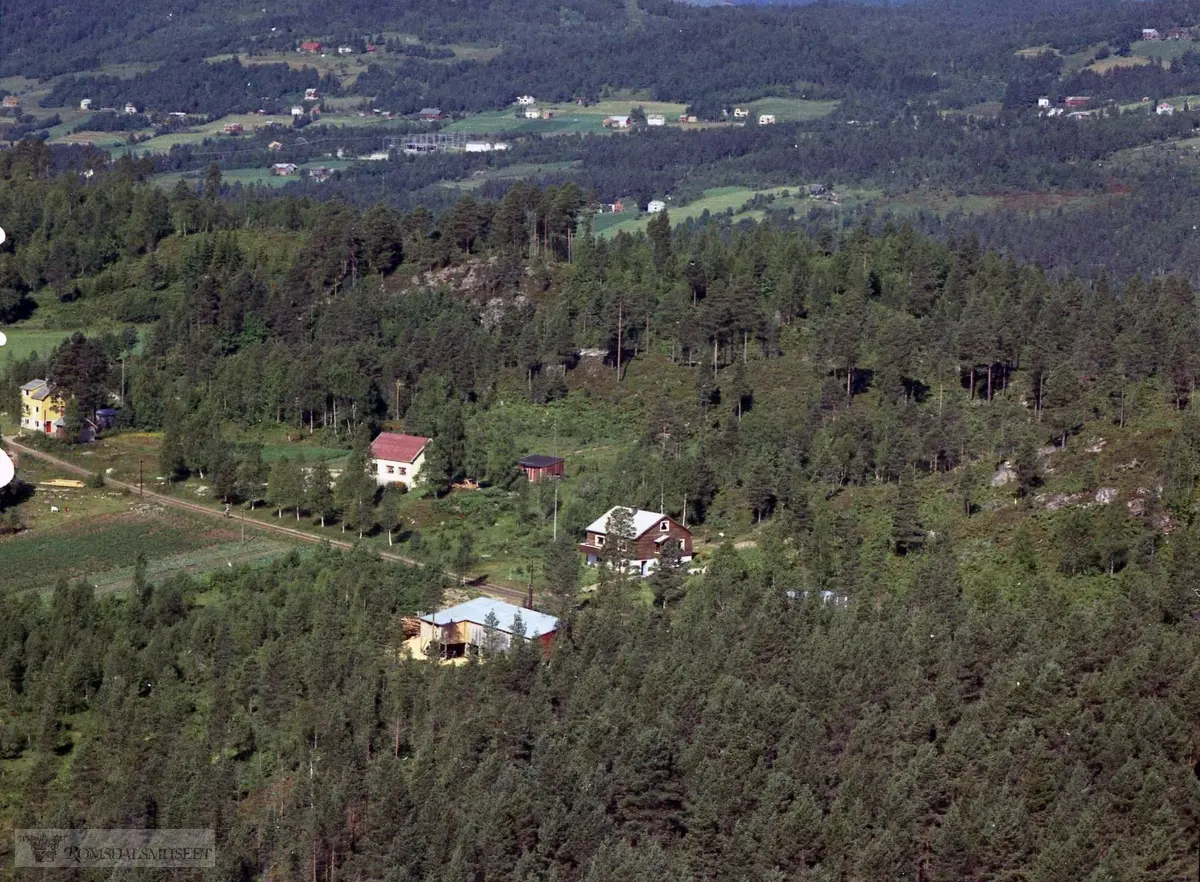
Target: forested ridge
x=959 y=639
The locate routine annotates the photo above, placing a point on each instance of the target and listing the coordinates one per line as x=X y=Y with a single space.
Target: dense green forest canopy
x=750 y=731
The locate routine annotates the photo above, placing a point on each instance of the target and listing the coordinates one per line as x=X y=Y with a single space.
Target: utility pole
x=140 y=491
x=620 y=316
x=555 y=535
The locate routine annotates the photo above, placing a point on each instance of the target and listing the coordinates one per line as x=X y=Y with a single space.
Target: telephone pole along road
x=500 y=592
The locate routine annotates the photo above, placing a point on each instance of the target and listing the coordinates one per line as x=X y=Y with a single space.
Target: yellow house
x=41 y=409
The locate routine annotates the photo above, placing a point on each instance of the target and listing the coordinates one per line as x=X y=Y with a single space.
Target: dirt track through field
x=500 y=592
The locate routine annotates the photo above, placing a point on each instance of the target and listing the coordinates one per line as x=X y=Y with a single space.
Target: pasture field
x=520 y=171
x=1113 y=62
x=1035 y=51
x=568 y=118
x=715 y=201
x=1167 y=50
x=24 y=342
x=790 y=109
x=247 y=177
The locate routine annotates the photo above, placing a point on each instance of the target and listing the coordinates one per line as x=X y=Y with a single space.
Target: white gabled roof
x=536 y=623
x=642 y=521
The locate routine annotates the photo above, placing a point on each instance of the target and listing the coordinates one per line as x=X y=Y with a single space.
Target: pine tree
x=562 y=570
x=907 y=533
x=619 y=538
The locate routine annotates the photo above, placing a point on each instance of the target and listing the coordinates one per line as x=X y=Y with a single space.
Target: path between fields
x=500 y=592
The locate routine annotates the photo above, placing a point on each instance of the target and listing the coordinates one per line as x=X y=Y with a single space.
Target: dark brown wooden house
x=652 y=532
x=538 y=468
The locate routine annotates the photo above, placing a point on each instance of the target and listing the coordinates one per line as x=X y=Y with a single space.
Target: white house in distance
x=654 y=206
x=526 y=101
x=766 y=119
x=483 y=146
x=1165 y=109
x=398 y=458
x=656 y=119
x=1043 y=103
x=532 y=113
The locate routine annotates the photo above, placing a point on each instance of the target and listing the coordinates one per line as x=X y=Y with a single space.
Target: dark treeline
x=750 y=731
x=679 y=52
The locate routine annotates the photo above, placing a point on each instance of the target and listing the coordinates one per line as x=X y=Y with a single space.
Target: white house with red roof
x=398 y=458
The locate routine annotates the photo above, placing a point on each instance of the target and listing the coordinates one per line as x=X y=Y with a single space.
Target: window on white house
x=665 y=526
x=403 y=470
x=391 y=470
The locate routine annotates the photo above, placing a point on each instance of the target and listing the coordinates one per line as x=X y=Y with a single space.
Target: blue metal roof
x=536 y=623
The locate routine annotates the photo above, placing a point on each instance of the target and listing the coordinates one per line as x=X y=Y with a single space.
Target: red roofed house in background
x=398 y=458
x=310 y=46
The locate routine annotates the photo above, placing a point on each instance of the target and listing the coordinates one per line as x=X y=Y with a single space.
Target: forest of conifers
x=913 y=673
x=942 y=463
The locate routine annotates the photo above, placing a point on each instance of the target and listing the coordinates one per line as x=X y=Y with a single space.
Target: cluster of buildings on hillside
x=489 y=625
x=398 y=458
x=316 y=47
x=633 y=538
x=1080 y=107
x=1153 y=35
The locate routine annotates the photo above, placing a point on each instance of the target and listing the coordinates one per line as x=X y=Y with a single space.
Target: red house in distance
x=538 y=467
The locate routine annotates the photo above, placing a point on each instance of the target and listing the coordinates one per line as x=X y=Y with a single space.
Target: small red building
x=310 y=46
x=538 y=467
x=1076 y=101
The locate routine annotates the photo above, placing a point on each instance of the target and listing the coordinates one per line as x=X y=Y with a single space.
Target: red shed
x=538 y=468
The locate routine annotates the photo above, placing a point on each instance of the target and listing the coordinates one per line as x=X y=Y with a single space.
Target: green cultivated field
x=790 y=109
x=568 y=118
x=1168 y=50
x=248 y=176
x=519 y=171
x=715 y=201
x=101 y=547
x=22 y=342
